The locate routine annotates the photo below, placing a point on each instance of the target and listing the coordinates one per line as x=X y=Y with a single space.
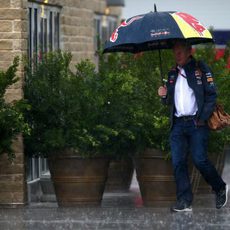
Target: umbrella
x=156 y=31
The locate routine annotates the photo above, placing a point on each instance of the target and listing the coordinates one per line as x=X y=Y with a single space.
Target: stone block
x=20 y=44
x=6 y=26
x=11 y=186
x=12 y=14
x=9 y=55
x=6 y=44
x=11 y=177
x=78 y=56
x=16 y=85
x=72 y=21
x=19 y=159
x=20 y=26
x=8 y=198
x=18 y=144
x=13 y=94
x=4 y=65
x=80 y=39
x=71 y=30
x=98 y=6
x=4 y=157
x=86 y=14
x=5 y=4
x=19 y=83
x=10 y=35
x=86 y=31
x=71 y=11
x=70 y=3
x=19 y=3
x=11 y=168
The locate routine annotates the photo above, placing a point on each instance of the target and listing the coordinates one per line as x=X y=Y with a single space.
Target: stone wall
x=12 y=177
x=77 y=28
x=77 y=25
x=13 y=42
x=77 y=36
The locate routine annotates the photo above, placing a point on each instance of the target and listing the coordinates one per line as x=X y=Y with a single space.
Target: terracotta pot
x=155 y=178
x=78 y=181
x=119 y=175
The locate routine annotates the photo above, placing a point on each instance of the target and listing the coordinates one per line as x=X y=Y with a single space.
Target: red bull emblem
x=193 y=22
x=114 y=35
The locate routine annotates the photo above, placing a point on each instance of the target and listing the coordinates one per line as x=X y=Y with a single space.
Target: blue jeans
x=186 y=137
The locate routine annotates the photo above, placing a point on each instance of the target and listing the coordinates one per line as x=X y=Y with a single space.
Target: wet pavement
x=118 y=211
x=121 y=210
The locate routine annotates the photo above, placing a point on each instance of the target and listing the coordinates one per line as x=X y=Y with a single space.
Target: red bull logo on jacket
x=115 y=35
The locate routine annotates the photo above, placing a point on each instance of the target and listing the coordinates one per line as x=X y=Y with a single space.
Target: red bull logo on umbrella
x=114 y=35
x=193 y=22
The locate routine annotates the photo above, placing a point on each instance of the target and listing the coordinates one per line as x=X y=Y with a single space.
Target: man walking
x=190 y=91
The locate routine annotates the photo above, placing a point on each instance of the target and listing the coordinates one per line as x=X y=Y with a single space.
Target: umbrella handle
x=161 y=72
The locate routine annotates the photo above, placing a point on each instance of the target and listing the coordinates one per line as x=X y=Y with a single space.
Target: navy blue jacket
x=200 y=79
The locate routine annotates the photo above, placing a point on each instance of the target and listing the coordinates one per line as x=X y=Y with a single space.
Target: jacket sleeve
x=210 y=94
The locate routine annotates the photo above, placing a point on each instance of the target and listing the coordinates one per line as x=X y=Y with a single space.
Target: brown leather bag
x=219 y=118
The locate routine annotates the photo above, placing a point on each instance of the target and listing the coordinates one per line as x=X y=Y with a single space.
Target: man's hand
x=162 y=91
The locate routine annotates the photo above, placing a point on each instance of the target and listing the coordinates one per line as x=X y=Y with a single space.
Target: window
x=36 y=167
x=44 y=29
x=111 y=25
x=44 y=36
x=115 y=3
x=98 y=31
x=104 y=26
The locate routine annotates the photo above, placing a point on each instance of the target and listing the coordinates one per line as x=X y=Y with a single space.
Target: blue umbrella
x=155 y=31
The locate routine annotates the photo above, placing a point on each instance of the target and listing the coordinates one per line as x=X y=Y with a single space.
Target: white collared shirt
x=184 y=97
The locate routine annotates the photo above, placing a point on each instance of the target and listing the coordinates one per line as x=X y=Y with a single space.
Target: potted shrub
x=153 y=165
x=65 y=127
x=120 y=174
x=12 y=121
x=118 y=87
x=129 y=94
x=148 y=122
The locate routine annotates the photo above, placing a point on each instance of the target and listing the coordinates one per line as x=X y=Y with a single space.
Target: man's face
x=181 y=54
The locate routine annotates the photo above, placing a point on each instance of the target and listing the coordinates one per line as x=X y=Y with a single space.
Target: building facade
x=29 y=28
